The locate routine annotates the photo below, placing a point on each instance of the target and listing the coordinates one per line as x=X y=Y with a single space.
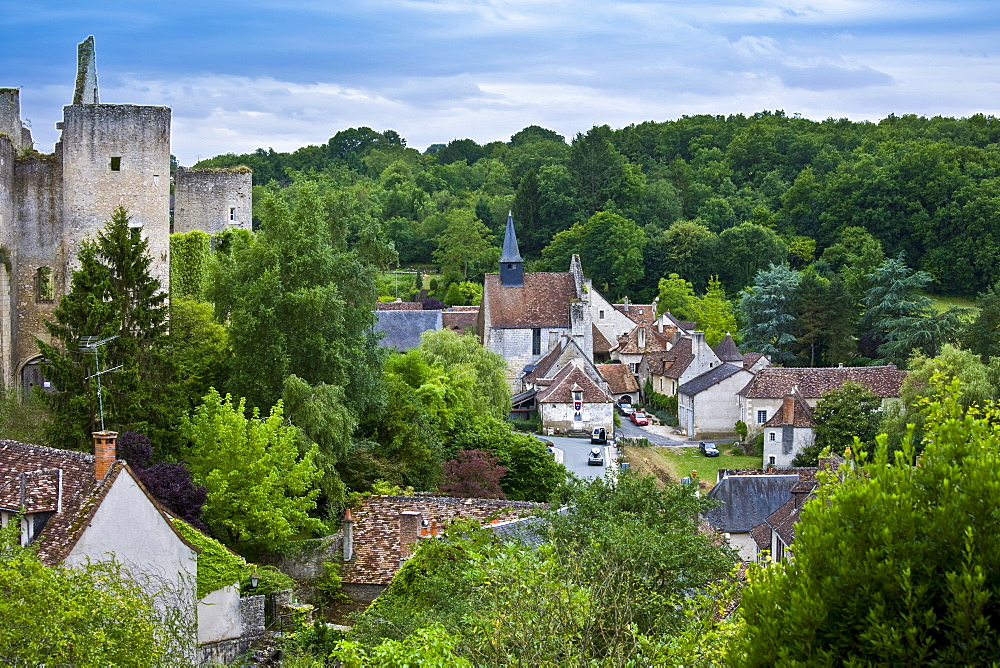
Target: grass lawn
x=671 y=463
x=942 y=304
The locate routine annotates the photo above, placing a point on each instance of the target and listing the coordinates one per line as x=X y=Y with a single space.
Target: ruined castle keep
x=107 y=155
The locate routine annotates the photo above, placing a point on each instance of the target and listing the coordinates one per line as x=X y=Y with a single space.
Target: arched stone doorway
x=31 y=376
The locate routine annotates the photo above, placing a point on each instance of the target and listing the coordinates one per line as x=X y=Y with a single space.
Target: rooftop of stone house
x=620 y=378
x=377 y=530
x=543 y=301
x=812 y=383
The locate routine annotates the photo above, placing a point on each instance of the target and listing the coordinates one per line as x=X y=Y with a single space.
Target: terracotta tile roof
x=377 y=536
x=638 y=313
x=620 y=379
x=601 y=343
x=812 y=383
x=60 y=482
x=543 y=300
x=782 y=521
x=727 y=350
x=461 y=321
x=544 y=365
x=708 y=379
x=560 y=390
x=674 y=362
x=761 y=535
x=399 y=306
x=802 y=415
x=629 y=343
x=42 y=469
x=749 y=359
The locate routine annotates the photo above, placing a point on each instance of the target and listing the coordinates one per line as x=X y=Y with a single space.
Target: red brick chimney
x=788 y=407
x=104 y=453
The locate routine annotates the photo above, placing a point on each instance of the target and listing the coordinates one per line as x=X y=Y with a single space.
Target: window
x=761 y=416
x=633 y=367
x=536 y=341
x=116 y=163
x=770 y=460
x=232 y=214
x=770 y=436
x=44 y=287
x=600 y=315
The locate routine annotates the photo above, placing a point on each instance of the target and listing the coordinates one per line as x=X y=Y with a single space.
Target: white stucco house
x=708 y=405
x=78 y=507
x=573 y=403
x=788 y=431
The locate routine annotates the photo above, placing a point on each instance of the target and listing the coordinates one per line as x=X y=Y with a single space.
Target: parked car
x=708 y=449
x=639 y=418
x=626 y=409
x=599 y=436
x=596 y=457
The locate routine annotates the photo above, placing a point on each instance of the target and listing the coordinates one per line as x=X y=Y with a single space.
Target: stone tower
x=108 y=155
x=212 y=200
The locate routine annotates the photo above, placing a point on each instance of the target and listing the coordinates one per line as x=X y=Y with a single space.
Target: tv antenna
x=91 y=345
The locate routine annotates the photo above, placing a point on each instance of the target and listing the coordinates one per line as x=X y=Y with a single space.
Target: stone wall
x=212 y=200
x=117 y=154
x=10 y=115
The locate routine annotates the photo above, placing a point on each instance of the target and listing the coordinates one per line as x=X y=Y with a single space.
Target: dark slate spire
x=511 y=264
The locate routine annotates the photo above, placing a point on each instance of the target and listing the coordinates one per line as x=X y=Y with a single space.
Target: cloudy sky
x=263 y=73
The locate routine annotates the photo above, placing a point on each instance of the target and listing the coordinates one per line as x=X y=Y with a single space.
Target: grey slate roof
x=510 y=252
x=708 y=379
x=748 y=500
x=403 y=328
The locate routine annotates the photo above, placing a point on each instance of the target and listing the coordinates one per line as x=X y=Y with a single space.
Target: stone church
x=107 y=155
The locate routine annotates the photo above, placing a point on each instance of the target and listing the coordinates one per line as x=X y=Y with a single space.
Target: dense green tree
x=977 y=383
x=924 y=592
x=742 y=251
x=824 y=326
x=677 y=296
x=189 y=261
x=614 y=581
x=715 y=313
x=901 y=318
x=600 y=172
x=96 y=614
x=306 y=266
x=261 y=490
x=850 y=411
x=198 y=347
x=465 y=247
x=768 y=312
x=982 y=334
x=114 y=298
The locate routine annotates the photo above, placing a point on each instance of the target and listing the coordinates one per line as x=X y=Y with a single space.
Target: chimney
x=104 y=453
x=788 y=409
x=642 y=336
x=348 y=526
x=409 y=531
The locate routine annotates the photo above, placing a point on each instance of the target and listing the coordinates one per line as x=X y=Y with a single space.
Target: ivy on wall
x=189 y=255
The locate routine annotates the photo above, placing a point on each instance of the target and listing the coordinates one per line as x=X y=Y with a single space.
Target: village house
x=765 y=394
x=788 y=431
x=747 y=498
x=775 y=535
x=77 y=508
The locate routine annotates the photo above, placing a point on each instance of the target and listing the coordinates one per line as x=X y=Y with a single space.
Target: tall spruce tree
x=112 y=297
x=768 y=311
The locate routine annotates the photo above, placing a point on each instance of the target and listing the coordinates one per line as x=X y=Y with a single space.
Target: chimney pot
x=348 y=527
x=104 y=453
x=409 y=532
x=789 y=409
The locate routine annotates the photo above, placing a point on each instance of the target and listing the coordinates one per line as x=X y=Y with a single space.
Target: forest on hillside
x=699 y=196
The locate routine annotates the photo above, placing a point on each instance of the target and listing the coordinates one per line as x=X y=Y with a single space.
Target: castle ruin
x=107 y=155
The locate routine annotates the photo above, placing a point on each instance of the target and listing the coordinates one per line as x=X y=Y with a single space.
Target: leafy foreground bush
x=623 y=577
x=896 y=564
x=93 y=615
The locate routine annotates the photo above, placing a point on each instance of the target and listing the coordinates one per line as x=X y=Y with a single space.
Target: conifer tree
x=112 y=297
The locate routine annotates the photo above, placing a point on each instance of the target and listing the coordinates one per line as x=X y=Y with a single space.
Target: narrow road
x=574 y=453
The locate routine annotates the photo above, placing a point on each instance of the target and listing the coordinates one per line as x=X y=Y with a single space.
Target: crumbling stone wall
x=212 y=200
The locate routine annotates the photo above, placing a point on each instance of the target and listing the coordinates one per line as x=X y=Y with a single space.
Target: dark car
x=596 y=457
x=626 y=409
x=599 y=436
x=708 y=449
